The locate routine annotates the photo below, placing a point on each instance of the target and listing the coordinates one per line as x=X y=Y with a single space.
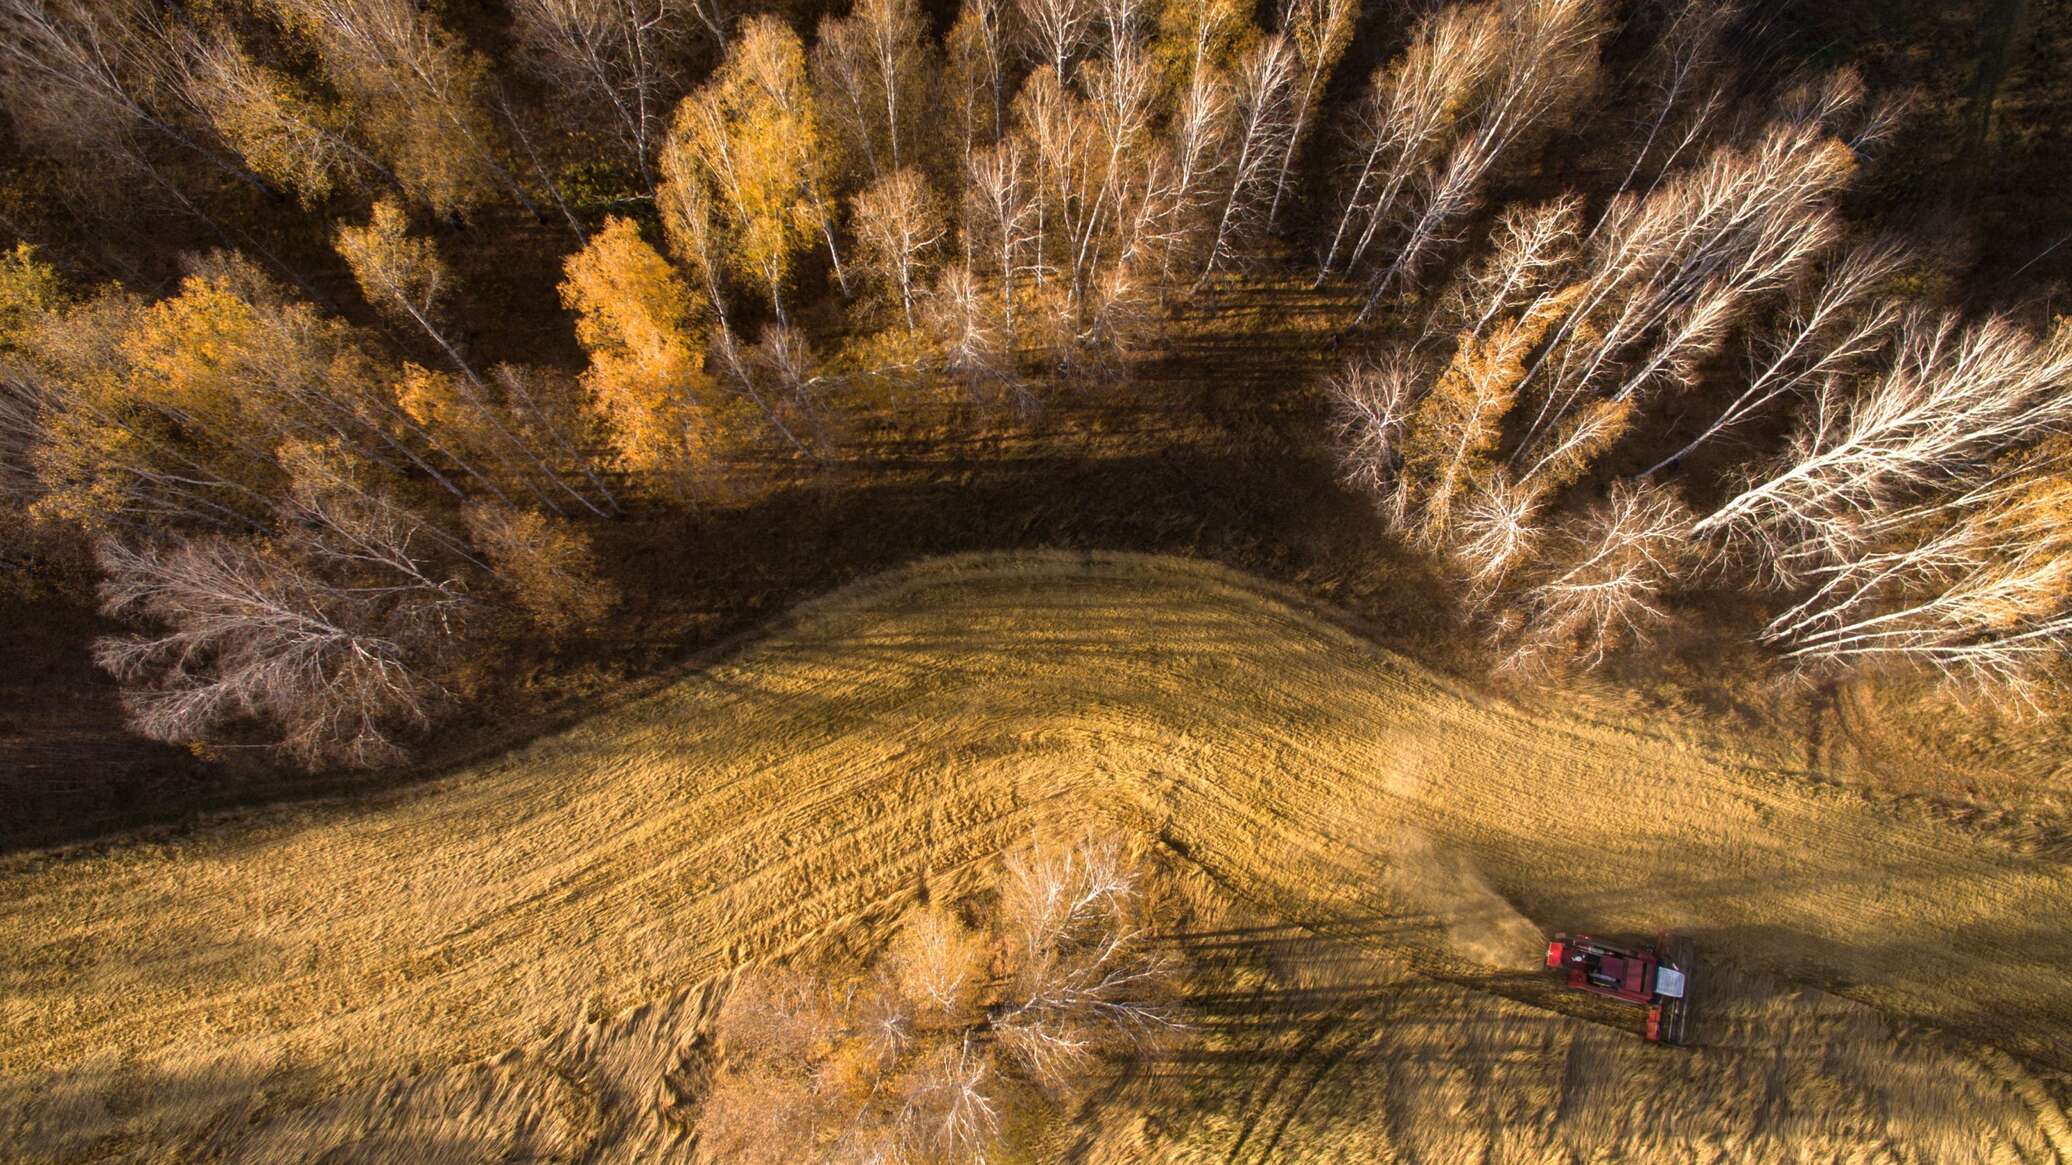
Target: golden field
x=513 y=962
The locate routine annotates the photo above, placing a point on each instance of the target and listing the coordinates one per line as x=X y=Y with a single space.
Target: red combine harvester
x=1633 y=974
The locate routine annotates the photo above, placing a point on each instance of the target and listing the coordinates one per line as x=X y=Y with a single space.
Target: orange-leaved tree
x=645 y=334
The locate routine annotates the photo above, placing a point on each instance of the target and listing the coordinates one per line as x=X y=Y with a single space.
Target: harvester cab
x=1656 y=977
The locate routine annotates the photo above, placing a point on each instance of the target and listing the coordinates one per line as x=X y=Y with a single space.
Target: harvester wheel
x=1682 y=954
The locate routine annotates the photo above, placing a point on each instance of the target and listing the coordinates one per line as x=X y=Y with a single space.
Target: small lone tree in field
x=921 y=1057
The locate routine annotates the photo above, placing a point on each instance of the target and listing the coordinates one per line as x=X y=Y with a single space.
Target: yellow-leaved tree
x=546 y=565
x=170 y=414
x=1196 y=36
x=403 y=277
x=645 y=335
x=1453 y=431
x=29 y=292
x=283 y=132
x=158 y=419
x=748 y=139
x=415 y=89
x=29 y=287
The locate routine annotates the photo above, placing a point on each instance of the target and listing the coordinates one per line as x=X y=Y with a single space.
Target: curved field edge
x=900 y=733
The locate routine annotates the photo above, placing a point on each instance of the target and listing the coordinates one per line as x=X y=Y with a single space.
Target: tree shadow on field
x=2034 y=1025
x=1257 y=983
x=698 y=585
x=1993 y=972
x=92 y=1110
x=249 y=1112
x=1301 y=1041
x=1283 y=1025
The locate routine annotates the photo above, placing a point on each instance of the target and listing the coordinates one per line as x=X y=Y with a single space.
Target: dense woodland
x=363 y=363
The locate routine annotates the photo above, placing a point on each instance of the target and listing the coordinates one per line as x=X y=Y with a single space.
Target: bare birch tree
x=76 y=79
x=1546 y=63
x=1602 y=579
x=1003 y=222
x=1056 y=32
x=784 y=379
x=1668 y=275
x=1530 y=252
x=1318 y=32
x=317 y=638
x=1263 y=104
x=1950 y=397
x=1086 y=981
x=1496 y=530
x=873 y=75
x=1107 y=233
x=1404 y=120
x=950 y=1111
x=1827 y=335
x=619 y=56
x=898 y=222
x=403 y=277
x=1975 y=588
x=1371 y=404
x=97 y=84
x=1200 y=133
x=1092 y=167
x=971 y=334
x=940 y=967
x=1679 y=80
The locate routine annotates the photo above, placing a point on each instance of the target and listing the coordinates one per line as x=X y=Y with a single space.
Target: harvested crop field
x=512 y=962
